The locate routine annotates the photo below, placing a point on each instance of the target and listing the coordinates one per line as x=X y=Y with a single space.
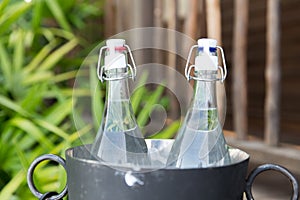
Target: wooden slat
x=192 y=23
x=240 y=68
x=172 y=24
x=214 y=31
x=214 y=26
x=290 y=59
x=272 y=107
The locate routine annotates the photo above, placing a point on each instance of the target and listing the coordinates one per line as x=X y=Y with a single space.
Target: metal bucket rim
x=69 y=155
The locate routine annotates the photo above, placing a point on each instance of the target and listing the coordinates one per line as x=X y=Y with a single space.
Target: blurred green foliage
x=39 y=53
x=42 y=44
x=144 y=100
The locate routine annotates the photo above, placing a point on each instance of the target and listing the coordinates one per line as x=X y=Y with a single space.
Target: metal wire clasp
x=188 y=68
x=100 y=69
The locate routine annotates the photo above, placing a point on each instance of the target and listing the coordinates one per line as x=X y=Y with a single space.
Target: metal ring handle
x=30 y=172
x=267 y=167
x=48 y=195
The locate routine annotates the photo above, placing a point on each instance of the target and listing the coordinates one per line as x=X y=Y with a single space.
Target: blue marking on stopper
x=200 y=49
x=212 y=49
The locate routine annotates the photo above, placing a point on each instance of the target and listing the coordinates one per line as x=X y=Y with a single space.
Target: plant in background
x=36 y=50
x=40 y=50
x=144 y=101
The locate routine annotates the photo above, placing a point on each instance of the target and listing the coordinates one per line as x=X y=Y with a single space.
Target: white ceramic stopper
x=114 y=59
x=206 y=60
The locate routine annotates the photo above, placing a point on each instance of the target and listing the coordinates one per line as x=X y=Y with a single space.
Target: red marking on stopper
x=120 y=48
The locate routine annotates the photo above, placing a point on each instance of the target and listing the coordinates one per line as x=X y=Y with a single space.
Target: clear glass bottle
x=119 y=140
x=200 y=141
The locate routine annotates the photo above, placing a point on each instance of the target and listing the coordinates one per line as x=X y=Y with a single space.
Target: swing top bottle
x=200 y=141
x=119 y=140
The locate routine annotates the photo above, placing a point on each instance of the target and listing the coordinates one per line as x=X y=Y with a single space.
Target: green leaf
x=5 y=64
x=77 y=92
x=18 y=51
x=137 y=98
x=48 y=34
x=32 y=130
x=68 y=92
x=42 y=54
x=58 y=112
x=23 y=141
x=38 y=77
x=74 y=136
x=51 y=127
x=33 y=104
x=8 y=160
x=143 y=117
x=168 y=132
x=49 y=178
x=3 y=5
x=5 y=178
x=37 y=14
x=138 y=94
x=96 y=95
x=58 y=14
x=64 y=76
x=8 y=191
x=21 y=155
x=28 y=39
x=58 y=54
x=61 y=33
x=7 y=103
x=14 y=12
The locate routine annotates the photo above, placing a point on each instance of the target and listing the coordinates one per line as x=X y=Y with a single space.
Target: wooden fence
x=261 y=40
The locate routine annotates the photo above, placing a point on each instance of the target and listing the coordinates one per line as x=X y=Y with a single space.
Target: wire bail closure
x=188 y=68
x=100 y=69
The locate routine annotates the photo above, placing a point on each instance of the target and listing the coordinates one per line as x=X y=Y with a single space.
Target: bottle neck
x=205 y=91
x=117 y=90
x=118 y=113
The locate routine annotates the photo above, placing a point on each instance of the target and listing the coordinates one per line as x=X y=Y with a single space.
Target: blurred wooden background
x=261 y=40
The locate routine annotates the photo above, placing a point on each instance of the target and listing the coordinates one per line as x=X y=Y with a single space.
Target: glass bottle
x=119 y=140
x=200 y=141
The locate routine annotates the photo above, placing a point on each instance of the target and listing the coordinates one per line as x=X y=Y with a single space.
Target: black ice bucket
x=91 y=180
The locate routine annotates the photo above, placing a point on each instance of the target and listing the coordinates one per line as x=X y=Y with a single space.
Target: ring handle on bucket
x=32 y=187
x=267 y=167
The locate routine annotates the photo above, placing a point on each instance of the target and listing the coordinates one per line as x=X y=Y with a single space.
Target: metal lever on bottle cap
x=206 y=61
x=224 y=69
x=115 y=59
